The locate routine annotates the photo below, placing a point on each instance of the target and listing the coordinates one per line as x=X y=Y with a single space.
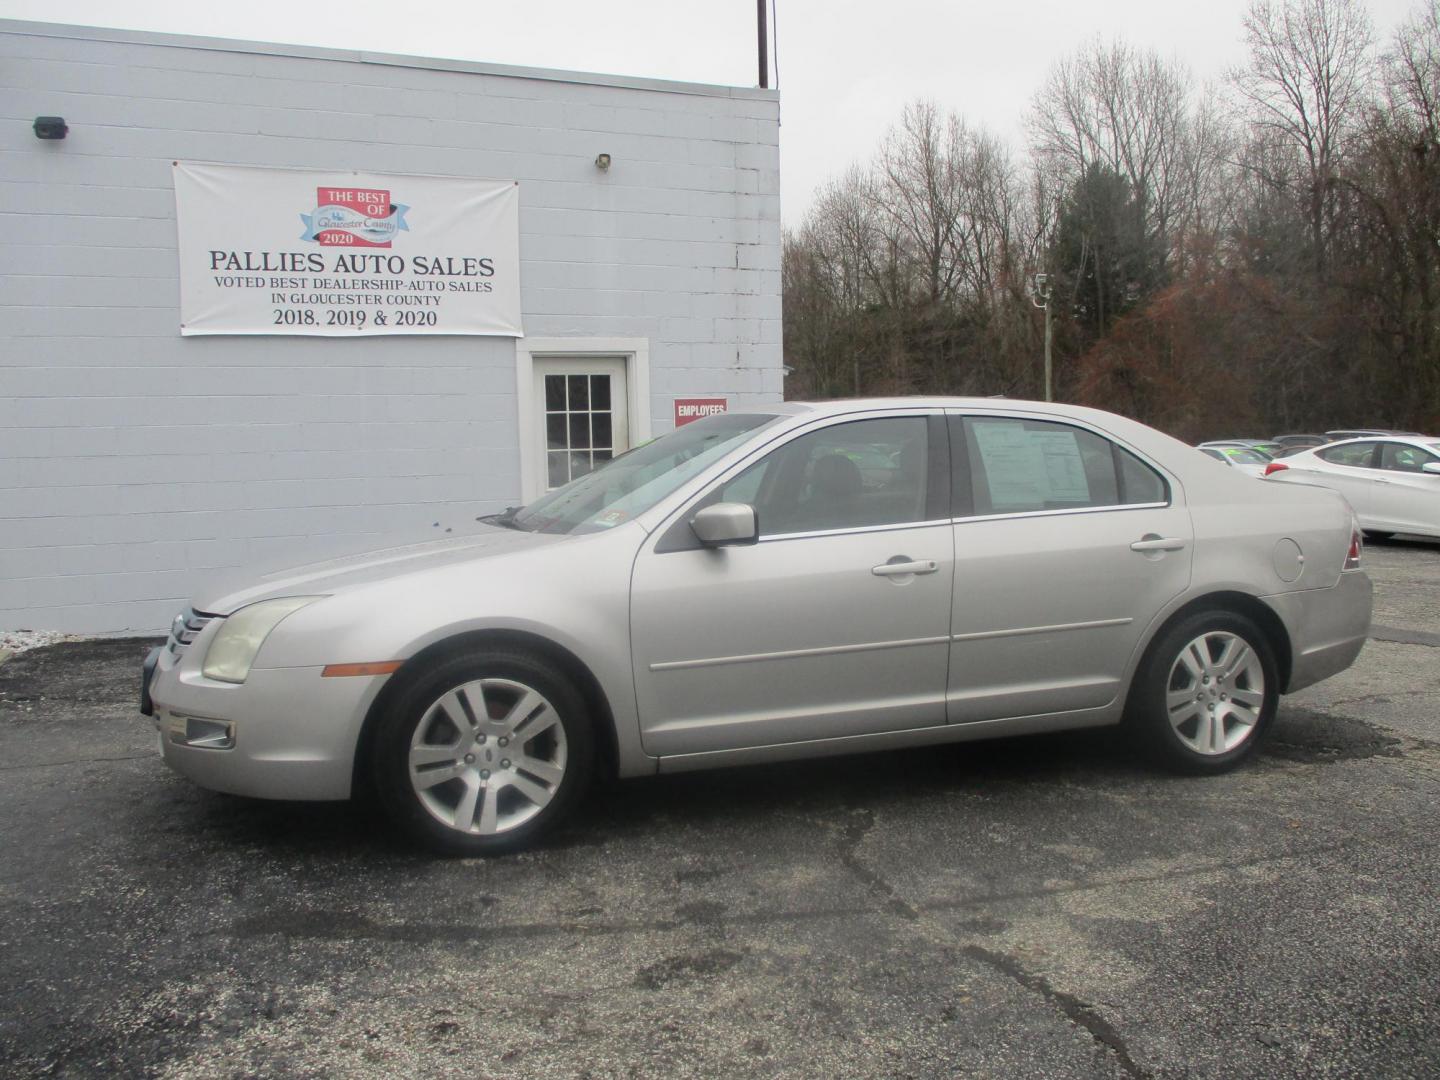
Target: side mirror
x=1431 y=467
x=726 y=523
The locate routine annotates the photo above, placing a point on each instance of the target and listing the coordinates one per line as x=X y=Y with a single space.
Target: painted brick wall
x=134 y=463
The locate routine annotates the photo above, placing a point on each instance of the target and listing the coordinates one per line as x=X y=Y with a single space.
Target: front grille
x=186 y=628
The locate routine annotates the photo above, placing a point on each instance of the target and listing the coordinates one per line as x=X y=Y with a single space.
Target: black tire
x=1244 y=711
x=557 y=729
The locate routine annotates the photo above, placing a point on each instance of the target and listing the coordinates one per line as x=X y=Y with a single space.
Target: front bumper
x=284 y=733
x=1328 y=627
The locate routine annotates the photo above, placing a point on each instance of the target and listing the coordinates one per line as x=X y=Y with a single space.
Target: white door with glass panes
x=583 y=418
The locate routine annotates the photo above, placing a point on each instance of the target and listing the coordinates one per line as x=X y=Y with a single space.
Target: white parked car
x=1250 y=462
x=1393 y=482
x=775 y=583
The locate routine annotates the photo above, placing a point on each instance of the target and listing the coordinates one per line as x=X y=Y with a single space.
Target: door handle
x=1158 y=543
x=895 y=569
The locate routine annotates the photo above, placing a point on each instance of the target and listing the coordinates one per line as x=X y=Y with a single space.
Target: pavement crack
x=76 y=761
x=850 y=839
x=1072 y=1007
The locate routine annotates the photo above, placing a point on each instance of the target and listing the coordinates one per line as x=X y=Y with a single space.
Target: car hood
x=349 y=571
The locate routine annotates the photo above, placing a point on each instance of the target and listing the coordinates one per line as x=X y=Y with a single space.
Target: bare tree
x=1130 y=112
x=1306 y=85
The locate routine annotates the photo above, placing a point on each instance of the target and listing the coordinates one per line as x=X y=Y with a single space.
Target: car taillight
x=1357 y=547
x=1275 y=467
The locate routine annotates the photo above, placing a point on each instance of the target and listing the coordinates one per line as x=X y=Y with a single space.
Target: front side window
x=845 y=476
x=1400 y=457
x=1016 y=465
x=1358 y=455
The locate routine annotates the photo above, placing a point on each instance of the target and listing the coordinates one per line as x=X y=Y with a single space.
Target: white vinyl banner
x=291 y=251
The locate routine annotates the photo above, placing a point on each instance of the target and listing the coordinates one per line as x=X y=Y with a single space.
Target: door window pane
x=1020 y=466
x=555 y=431
x=1139 y=483
x=600 y=430
x=867 y=472
x=555 y=393
x=557 y=469
x=1358 y=455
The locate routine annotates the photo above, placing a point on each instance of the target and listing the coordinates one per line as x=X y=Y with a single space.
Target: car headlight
x=232 y=650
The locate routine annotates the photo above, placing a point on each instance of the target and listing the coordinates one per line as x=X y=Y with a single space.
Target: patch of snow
x=18 y=641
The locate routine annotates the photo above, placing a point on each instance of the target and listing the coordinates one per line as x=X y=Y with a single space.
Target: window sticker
x=1029 y=470
x=1064 y=466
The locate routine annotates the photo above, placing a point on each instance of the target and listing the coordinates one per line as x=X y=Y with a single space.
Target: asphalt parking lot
x=1045 y=907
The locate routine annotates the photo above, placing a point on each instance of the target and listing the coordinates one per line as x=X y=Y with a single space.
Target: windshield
x=637 y=480
x=1245 y=457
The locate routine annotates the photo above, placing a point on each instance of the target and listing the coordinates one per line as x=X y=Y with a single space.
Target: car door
x=836 y=622
x=1066 y=546
x=1352 y=469
x=1409 y=498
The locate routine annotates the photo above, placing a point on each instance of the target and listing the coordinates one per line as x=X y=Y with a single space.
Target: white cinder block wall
x=134 y=463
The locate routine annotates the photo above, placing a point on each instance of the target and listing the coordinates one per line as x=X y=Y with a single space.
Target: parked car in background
x=1252 y=462
x=738 y=591
x=1264 y=446
x=1393 y=483
x=1299 y=441
x=1366 y=433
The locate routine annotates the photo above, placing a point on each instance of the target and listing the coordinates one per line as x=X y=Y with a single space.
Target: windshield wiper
x=506 y=519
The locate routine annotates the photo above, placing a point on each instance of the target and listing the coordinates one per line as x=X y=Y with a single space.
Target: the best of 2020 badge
x=354 y=217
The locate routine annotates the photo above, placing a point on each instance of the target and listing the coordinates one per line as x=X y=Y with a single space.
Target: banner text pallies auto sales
x=352 y=263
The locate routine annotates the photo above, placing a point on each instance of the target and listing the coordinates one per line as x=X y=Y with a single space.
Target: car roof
x=1426 y=442
x=1118 y=425
x=1369 y=433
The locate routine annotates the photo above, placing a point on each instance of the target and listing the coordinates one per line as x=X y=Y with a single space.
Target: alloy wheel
x=487 y=756
x=1215 y=692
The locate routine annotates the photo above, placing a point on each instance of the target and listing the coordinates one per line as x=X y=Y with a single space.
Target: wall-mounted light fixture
x=50 y=127
x=602 y=162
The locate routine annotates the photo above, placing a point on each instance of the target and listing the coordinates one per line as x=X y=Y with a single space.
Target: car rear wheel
x=482 y=754
x=1205 y=694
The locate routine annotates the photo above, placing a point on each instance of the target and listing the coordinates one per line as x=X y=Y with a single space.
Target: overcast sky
x=846 y=67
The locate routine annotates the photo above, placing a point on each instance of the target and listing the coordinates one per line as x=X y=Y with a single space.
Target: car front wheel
x=1206 y=693
x=483 y=753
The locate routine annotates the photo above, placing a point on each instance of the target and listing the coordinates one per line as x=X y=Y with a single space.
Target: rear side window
x=1014 y=466
x=1357 y=455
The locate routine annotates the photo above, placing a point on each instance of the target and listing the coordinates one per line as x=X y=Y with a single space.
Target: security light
x=50 y=127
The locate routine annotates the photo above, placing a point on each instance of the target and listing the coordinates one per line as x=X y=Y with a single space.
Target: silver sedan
x=780 y=583
x=1393 y=483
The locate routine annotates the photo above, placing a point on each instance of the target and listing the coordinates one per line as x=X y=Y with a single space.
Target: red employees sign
x=693 y=408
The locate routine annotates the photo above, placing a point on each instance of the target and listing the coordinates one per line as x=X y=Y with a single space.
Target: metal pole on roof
x=764 y=49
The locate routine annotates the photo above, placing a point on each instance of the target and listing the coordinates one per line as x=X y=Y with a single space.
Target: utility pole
x=764 y=50
x=1040 y=297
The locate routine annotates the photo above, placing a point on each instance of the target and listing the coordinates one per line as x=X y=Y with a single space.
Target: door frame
x=635 y=352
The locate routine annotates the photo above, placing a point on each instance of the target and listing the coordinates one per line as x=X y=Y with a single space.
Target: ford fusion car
x=754 y=587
